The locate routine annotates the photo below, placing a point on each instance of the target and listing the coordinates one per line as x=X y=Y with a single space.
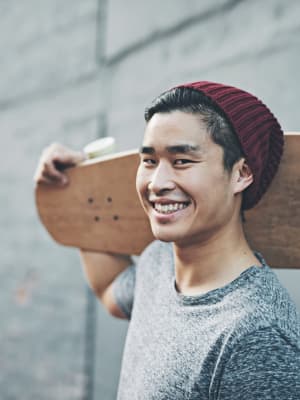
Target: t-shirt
x=240 y=341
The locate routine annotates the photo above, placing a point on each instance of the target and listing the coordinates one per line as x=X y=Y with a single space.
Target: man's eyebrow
x=179 y=148
x=147 y=150
x=183 y=148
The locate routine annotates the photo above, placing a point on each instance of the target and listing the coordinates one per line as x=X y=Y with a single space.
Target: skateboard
x=273 y=226
x=100 y=211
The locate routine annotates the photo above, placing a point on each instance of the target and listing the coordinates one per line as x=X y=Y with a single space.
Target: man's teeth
x=169 y=208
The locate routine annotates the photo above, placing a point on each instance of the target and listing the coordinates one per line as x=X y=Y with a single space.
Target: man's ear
x=242 y=176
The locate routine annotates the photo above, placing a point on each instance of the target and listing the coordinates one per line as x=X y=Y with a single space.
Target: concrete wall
x=49 y=91
x=75 y=70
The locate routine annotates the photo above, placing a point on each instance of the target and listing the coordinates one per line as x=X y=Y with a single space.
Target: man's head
x=237 y=121
x=197 y=159
x=194 y=102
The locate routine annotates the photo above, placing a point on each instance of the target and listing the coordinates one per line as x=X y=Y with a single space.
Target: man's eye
x=148 y=161
x=182 y=161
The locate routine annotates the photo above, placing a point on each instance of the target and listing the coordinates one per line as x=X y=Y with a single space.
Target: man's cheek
x=141 y=180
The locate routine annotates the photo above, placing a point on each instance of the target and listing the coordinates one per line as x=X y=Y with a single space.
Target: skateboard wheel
x=100 y=147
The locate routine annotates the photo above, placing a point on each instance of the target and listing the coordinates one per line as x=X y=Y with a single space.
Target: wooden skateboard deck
x=273 y=226
x=100 y=211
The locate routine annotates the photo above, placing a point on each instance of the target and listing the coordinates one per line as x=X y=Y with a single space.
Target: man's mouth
x=169 y=208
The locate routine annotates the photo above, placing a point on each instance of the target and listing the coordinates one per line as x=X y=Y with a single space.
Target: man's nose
x=162 y=178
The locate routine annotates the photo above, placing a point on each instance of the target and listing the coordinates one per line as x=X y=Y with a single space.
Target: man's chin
x=165 y=236
x=180 y=238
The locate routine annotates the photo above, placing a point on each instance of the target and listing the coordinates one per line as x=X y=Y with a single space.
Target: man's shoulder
x=266 y=304
x=156 y=250
x=154 y=256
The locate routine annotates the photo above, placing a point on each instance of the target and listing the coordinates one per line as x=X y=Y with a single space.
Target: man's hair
x=194 y=102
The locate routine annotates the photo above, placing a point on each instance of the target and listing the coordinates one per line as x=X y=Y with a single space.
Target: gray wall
x=75 y=70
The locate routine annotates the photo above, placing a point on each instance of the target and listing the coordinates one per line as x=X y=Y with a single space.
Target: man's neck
x=207 y=265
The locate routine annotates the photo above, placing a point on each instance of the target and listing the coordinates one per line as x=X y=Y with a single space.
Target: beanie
x=258 y=132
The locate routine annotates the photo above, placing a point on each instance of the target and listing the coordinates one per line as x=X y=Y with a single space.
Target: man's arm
x=100 y=268
x=264 y=366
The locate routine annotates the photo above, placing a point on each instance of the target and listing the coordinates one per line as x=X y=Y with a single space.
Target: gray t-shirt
x=240 y=341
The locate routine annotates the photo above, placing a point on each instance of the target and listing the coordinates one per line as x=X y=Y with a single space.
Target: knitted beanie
x=258 y=132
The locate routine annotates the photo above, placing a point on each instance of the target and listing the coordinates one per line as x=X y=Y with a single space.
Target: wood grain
x=273 y=226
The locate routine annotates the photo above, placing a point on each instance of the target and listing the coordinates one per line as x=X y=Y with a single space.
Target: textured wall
x=49 y=70
x=75 y=70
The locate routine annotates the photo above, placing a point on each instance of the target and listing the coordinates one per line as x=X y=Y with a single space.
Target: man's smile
x=167 y=205
x=169 y=208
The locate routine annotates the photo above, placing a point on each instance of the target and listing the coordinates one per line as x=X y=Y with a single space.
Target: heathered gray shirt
x=239 y=342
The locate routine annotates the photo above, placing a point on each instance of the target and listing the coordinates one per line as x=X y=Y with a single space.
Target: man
x=208 y=317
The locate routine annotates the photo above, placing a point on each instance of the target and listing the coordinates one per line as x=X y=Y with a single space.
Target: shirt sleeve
x=265 y=366
x=123 y=290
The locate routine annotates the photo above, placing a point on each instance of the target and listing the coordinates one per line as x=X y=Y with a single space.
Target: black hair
x=193 y=101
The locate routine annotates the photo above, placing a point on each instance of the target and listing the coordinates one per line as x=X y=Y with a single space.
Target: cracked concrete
x=117 y=53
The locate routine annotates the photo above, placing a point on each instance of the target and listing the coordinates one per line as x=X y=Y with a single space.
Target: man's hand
x=53 y=161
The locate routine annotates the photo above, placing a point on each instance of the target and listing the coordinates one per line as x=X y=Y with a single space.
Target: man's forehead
x=176 y=132
x=178 y=126
x=176 y=120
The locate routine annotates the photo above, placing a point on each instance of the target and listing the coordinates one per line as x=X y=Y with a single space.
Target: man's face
x=181 y=181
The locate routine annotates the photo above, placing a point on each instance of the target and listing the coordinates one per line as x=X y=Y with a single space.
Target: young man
x=208 y=318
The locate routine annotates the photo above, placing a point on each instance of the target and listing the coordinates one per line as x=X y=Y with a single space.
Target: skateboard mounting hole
x=109 y=199
x=116 y=217
x=90 y=200
x=97 y=219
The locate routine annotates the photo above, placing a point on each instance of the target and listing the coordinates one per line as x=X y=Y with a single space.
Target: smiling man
x=208 y=318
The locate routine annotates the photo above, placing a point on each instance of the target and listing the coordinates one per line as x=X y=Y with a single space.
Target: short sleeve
x=123 y=290
x=265 y=366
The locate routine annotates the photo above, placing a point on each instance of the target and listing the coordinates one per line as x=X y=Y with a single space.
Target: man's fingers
x=50 y=180
x=44 y=181
x=55 y=176
x=55 y=159
x=68 y=158
x=45 y=170
x=48 y=173
x=50 y=170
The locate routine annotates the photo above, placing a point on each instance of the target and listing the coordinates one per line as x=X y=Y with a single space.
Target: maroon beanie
x=258 y=131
